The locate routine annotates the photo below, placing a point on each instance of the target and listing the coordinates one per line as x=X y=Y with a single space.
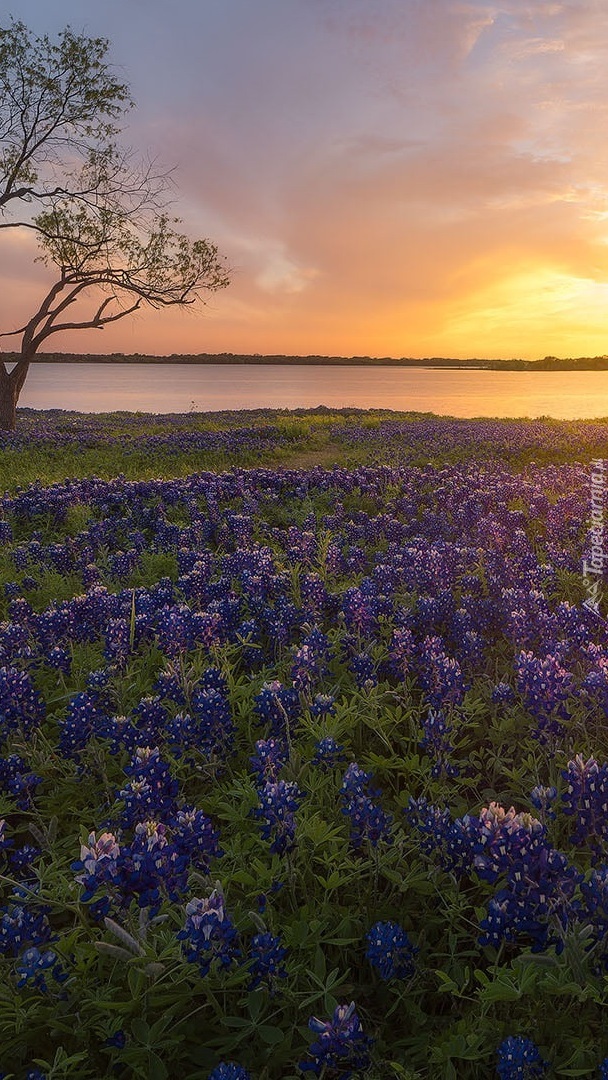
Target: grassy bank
x=50 y=446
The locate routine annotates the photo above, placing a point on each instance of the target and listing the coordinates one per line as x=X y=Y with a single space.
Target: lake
x=157 y=388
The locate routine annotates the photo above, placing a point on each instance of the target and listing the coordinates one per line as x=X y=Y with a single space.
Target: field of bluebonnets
x=304 y=750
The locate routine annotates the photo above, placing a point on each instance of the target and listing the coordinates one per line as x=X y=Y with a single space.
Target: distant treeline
x=548 y=363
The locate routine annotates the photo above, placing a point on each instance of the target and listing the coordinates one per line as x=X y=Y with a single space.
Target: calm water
x=156 y=388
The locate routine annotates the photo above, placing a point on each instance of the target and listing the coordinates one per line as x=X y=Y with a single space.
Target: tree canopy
x=59 y=106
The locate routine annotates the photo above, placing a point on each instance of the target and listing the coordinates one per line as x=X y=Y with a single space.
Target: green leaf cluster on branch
x=59 y=102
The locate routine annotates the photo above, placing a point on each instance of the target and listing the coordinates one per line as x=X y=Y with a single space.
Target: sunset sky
x=385 y=177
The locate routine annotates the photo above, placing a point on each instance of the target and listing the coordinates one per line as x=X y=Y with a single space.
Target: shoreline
x=599 y=363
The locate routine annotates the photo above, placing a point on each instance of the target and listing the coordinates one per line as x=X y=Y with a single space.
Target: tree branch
x=97 y=322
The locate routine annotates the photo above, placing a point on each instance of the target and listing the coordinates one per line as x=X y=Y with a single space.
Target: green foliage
x=57 y=99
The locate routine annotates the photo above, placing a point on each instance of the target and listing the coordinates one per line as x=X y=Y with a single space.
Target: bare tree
x=101 y=221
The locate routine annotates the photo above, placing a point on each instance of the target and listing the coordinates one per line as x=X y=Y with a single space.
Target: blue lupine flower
x=278 y=705
x=594 y=912
x=439 y=675
x=306 y=669
x=229 y=1071
x=5 y=841
x=318 y=642
x=266 y=955
x=174 y=630
x=169 y=685
x=313 y=592
x=156 y=860
x=209 y=934
x=150 y=716
x=519 y=1059
x=502 y=838
x=98 y=863
x=323 y=705
x=604 y=1069
x=359 y=611
x=21 y=926
x=367 y=820
x=212 y=712
x=84 y=716
x=195 y=838
x=22 y=859
x=390 y=951
x=98 y=681
x=151 y=865
x=543 y=798
x=310 y=660
x=59 y=659
x=120 y=732
x=21 y=708
x=364 y=669
x=539 y=886
x=328 y=754
x=16 y=780
x=545 y=686
x=341 y=1044
x=400 y=653
x=33 y=964
x=181 y=732
x=539 y=883
x=90 y=575
x=118 y=641
x=122 y=563
x=152 y=790
x=587 y=799
x=278 y=801
x=270 y=757
x=118 y=1040
x=451 y=840
x=15 y=641
x=436 y=741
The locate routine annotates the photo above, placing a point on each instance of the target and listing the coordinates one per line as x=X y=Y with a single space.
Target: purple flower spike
x=341 y=1044
x=519 y=1059
x=390 y=951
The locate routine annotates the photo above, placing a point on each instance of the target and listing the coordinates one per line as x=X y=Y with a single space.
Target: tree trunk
x=10 y=388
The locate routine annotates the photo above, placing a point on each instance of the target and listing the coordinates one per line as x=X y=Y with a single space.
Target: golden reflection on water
x=182 y=387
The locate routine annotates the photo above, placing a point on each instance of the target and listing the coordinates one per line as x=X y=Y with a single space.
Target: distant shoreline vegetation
x=548 y=363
